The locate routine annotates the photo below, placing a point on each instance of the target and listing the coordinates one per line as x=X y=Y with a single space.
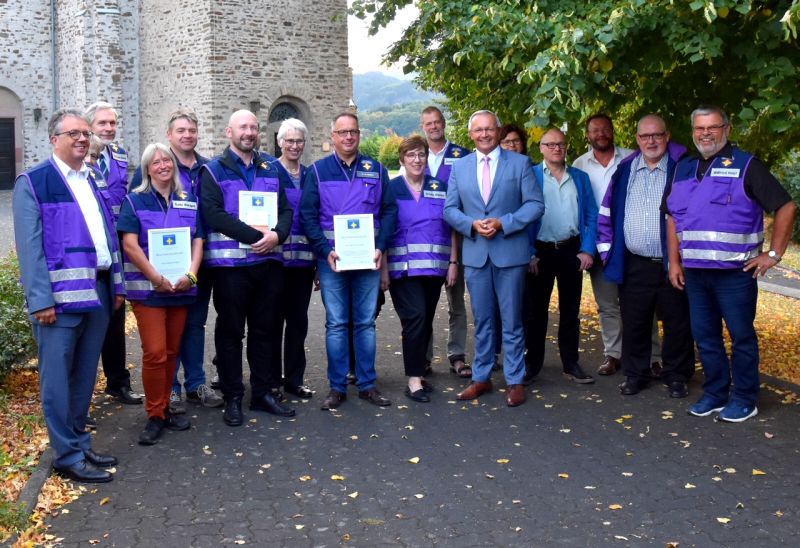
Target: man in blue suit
x=70 y=269
x=491 y=199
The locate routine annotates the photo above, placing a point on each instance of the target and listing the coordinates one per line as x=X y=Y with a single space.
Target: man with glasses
x=71 y=273
x=715 y=233
x=632 y=244
x=600 y=163
x=491 y=200
x=442 y=154
x=113 y=164
x=562 y=245
x=347 y=182
x=246 y=265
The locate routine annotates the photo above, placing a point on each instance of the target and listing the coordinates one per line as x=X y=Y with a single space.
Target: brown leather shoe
x=374 y=397
x=610 y=366
x=475 y=390
x=515 y=395
x=333 y=400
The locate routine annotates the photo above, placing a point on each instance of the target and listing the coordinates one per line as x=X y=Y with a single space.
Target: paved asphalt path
x=576 y=465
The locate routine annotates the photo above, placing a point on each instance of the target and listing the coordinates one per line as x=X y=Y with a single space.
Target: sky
x=366 y=51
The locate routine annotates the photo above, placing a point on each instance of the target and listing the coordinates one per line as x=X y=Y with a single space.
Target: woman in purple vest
x=159 y=301
x=421 y=256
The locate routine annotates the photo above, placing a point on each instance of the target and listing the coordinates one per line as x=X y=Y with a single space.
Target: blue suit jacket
x=515 y=200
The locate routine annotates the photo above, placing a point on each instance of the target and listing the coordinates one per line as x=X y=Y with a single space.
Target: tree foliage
x=547 y=62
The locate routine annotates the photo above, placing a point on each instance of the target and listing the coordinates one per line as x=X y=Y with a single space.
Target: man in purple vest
x=348 y=183
x=71 y=272
x=442 y=154
x=715 y=237
x=247 y=267
x=113 y=164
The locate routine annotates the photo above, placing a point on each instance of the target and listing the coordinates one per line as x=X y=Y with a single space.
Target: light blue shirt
x=560 y=220
x=642 y=224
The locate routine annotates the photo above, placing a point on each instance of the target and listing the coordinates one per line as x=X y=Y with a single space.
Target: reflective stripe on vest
x=724 y=237
x=414 y=264
x=717 y=255
x=419 y=248
x=69 y=274
x=76 y=296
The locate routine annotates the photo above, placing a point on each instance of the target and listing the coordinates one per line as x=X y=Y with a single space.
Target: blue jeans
x=193 y=344
x=353 y=292
x=730 y=295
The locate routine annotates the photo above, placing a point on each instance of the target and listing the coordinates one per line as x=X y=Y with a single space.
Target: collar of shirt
x=641 y=163
x=439 y=154
x=548 y=173
x=67 y=171
x=619 y=153
x=493 y=156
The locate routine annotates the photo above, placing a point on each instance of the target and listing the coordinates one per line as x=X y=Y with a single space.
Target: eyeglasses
x=75 y=134
x=553 y=146
x=347 y=132
x=511 y=142
x=489 y=130
x=652 y=136
x=709 y=129
x=294 y=142
x=415 y=155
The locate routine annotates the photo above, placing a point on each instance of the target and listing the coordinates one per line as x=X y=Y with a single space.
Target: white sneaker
x=205 y=396
x=176 y=406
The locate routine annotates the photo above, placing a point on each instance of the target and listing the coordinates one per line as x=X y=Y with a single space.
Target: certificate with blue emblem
x=258 y=209
x=354 y=241
x=169 y=250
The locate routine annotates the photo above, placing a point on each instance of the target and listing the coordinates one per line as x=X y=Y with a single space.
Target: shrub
x=389 y=154
x=16 y=337
x=789 y=174
x=371 y=146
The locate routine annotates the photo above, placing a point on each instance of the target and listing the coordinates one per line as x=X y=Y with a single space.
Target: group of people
x=665 y=235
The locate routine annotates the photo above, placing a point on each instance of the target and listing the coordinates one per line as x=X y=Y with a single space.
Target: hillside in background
x=375 y=90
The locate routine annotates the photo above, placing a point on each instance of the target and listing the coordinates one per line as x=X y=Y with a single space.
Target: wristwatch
x=774 y=255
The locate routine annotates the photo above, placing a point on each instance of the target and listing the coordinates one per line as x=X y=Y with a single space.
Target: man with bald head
x=562 y=247
x=632 y=245
x=248 y=272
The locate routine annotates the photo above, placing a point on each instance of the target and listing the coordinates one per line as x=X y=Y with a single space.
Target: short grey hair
x=479 y=113
x=292 y=124
x=705 y=110
x=345 y=114
x=91 y=112
x=147 y=159
x=57 y=119
x=184 y=113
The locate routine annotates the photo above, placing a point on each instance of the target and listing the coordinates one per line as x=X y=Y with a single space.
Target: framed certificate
x=258 y=208
x=354 y=241
x=169 y=250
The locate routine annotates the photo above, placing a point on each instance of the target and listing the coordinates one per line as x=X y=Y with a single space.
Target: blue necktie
x=101 y=162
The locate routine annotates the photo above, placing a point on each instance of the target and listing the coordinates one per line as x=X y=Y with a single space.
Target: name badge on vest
x=435 y=194
x=184 y=204
x=450 y=161
x=368 y=175
x=724 y=172
x=119 y=156
x=98 y=181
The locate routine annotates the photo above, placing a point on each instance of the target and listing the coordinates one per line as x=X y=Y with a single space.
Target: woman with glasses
x=514 y=138
x=160 y=302
x=421 y=256
x=298 y=260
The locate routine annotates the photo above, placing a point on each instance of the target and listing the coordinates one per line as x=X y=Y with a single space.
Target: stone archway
x=11 y=152
x=282 y=108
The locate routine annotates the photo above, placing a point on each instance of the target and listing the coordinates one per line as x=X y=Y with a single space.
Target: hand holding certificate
x=259 y=210
x=169 y=250
x=354 y=242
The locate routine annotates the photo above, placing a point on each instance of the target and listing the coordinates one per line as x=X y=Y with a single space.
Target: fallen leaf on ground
x=757 y=472
x=419 y=496
x=337 y=477
x=724 y=520
x=615 y=507
x=105 y=501
x=304 y=478
x=353 y=495
x=502 y=461
x=690 y=486
x=414 y=460
x=563 y=475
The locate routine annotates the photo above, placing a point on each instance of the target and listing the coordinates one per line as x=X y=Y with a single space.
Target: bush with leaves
x=389 y=154
x=371 y=146
x=789 y=174
x=16 y=338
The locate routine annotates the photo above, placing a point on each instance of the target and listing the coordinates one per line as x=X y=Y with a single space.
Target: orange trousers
x=160 y=329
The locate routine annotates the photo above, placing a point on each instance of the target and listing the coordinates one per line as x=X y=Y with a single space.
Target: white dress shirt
x=82 y=191
x=494 y=156
x=435 y=158
x=600 y=175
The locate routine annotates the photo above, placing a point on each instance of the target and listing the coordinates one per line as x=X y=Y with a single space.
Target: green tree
x=547 y=62
x=389 y=154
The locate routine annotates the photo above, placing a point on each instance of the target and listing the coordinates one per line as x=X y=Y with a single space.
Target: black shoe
x=351 y=378
x=101 y=461
x=677 y=389
x=417 y=395
x=656 y=370
x=301 y=391
x=334 y=400
x=574 y=373
x=176 y=422
x=232 y=415
x=278 y=395
x=90 y=424
x=374 y=397
x=152 y=431
x=427 y=387
x=84 y=471
x=631 y=387
x=270 y=404
x=124 y=395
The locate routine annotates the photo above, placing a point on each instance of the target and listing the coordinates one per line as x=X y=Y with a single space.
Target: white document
x=258 y=208
x=354 y=241
x=170 y=251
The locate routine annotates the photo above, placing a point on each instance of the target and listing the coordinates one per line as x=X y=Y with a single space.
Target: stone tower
x=279 y=58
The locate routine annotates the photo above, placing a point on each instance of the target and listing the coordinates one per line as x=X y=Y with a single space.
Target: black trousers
x=415 y=299
x=246 y=297
x=113 y=352
x=297 y=286
x=556 y=265
x=647 y=291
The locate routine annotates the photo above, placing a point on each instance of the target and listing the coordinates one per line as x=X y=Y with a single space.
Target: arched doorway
x=10 y=138
x=283 y=108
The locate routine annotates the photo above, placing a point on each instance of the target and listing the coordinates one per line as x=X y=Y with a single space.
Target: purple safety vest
x=297 y=252
x=421 y=242
x=181 y=212
x=718 y=224
x=68 y=246
x=452 y=154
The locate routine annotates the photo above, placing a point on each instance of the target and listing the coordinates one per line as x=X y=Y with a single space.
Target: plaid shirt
x=642 y=208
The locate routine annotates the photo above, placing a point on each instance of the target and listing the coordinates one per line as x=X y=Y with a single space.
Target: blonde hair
x=147 y=159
